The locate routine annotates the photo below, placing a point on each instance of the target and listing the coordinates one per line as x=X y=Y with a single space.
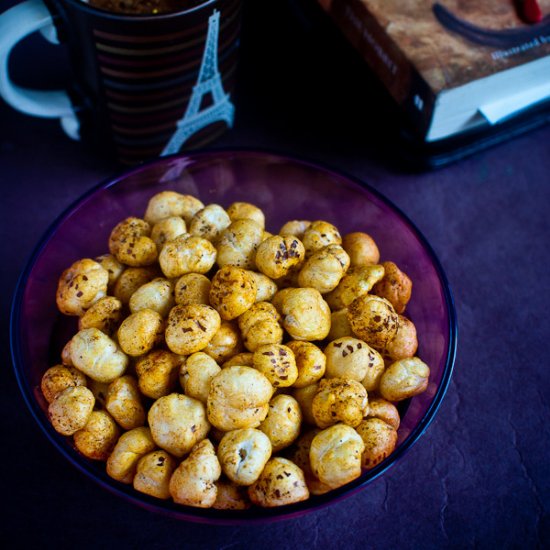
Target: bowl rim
x=210 y=515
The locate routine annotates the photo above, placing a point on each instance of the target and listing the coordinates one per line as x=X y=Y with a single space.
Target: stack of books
x=464 y=73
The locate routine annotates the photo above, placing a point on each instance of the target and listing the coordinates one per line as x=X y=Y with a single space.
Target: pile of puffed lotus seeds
x=222 y=366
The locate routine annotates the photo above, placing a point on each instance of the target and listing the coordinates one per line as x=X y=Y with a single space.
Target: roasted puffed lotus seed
x=404 y=378
x=196 y=374
x=177 y=423
x=395 y=286
x=209 y=222
x=225 y=343
x=190 y=328
x=374 y=320
x=246 y=211
x=153 y=474
x=310 y=360
x=97 y=439
x=187 y=254
x=380 y=440
x=280 y=483
x=167 y=229
x=59 y=378
x=277 y=255
x=140 y=332
x=324 y=269
x=170 y=203
x=277 y=363
x=157 y=295
x=157 y=373
x=237 y=244
x=123 y=402
x=319 y=234
x=106 y=315
x=356 y=282
x=131 y=244
x=70 y=409
x=193 y=481
x=259 y=326
x=97 y=356
x=361 y=248
x=80 y=286
x=192 y=288
x=283 y=421
x=339 y=400
x=232 y=292
x=335 y=455
x=243 y=454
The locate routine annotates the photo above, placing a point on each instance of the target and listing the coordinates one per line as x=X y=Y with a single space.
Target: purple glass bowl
x=285 y=189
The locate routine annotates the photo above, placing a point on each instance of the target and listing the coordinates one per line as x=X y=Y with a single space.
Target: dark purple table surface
x=480 y=475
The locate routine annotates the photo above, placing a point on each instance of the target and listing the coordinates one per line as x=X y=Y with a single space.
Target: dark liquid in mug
x=143 y=7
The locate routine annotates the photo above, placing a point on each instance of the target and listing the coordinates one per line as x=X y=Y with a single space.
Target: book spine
x=385 y=58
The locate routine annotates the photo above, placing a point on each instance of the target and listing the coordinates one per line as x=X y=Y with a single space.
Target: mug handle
x=15 y=24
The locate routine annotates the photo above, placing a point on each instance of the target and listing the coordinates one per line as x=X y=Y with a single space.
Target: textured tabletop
x=479 y=476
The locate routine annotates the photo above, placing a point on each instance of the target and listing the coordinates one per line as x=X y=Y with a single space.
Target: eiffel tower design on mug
x=209 y=81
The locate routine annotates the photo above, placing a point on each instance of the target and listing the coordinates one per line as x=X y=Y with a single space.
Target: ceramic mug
x=142 y=86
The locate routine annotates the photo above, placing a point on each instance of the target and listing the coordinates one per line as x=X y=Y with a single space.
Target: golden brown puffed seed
x=70 y=409
x=310 y=360
x=305 y=315
x=140 y=332
x=405 y=343
x=80 y=286
x=232 y=292
x=324 y=269
x=123 y=402
x=192 y=288
x=283 y=421
x=277 y=255
x=113 y=266
x=294 y=228
x=187 y=254
x=209 y=222
x=170 y=203
x=380 y=440
x=396 y=287
x=335 y=455
x=157 y=295
x=404 y=378
x=157 y=373
x=339 y=400
x=97 y=356
x=265 y=287
x=237 y=244
x=225 y=343
x=384 y=410
x=167 y=229
x=194 y=481
x=374 y=320
x=231 y=496
x=305 y=396
x=361 y=248
x=243 y=453
x=277 y=363
x=131 y=279
x=349 y=357
x=59 y=378
x=177 y=423
x=131 y=446
x=247 y=211
x=259 y=325
x=190 y=328
x=339 y=325
x=196 y=373
x=280 y=483
x=153 y=473
x=97 y=439
x=238 y=398
x=319 y=234
x=131 y=244
x=245 y=359
x=356 y=282
x=299 y=454
x=106 y=315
